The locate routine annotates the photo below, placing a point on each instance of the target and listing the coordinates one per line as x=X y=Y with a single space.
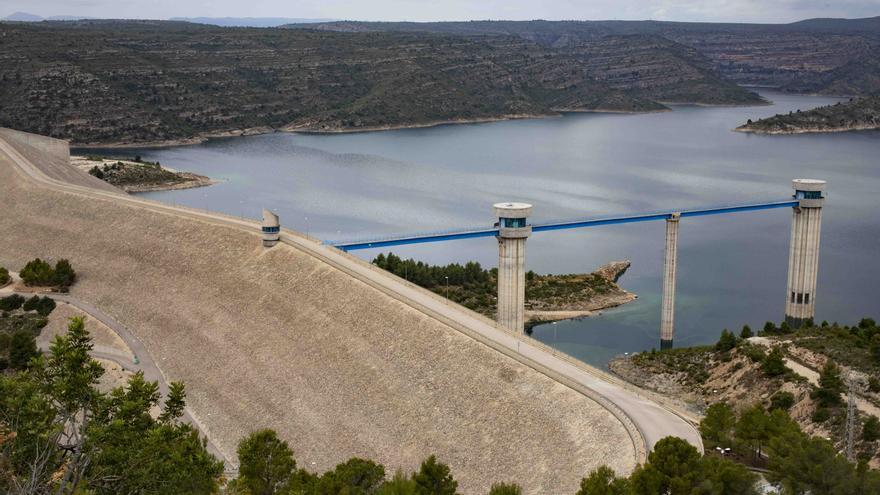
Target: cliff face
x=117 y=81
x=857 y=114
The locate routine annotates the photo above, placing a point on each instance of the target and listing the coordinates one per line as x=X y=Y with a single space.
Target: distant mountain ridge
x=249 y=21
x=26 y=17
x=796 y=57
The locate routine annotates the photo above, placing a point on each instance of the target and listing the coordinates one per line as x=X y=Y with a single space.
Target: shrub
x=782 y=400
x=22 y=348
x=871 y=429
x=874 y=384
x=774 y=364
x=726 y=342
x=37 y=272
x=4 y=276
x=830 y=386
x=12 y=302
x=31 y=304
x=64 y=275
x=821 y=415
x=46 y=306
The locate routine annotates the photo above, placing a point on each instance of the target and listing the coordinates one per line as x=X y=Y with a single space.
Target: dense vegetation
x=832 y=56
x=40 y=273
x=762 y=375
x=127 y=81
x=476 y=288
x=21 y=321
x=4 y=276
x=857 y=114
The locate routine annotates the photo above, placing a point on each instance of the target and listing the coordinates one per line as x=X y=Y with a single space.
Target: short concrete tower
x=513 y=230
x=271 y=228
x=803 y=257
x=667 y=311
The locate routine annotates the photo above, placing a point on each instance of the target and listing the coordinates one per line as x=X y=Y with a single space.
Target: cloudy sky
x=434 y=10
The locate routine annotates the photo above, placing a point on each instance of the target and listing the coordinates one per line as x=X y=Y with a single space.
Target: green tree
x=830 y=386
x=11 y=302
x=746 y=332
x=434 y=478
x=753 y=429
x=45 y=306
x=399 y=484
x=873 y=384
x=603 y=481
x=717 y=427
x=774 y=363
x=353 y=477
x=871 y=429
x=875 y=348
x=726 y=342
x=37 y=272
x=769 y=327
x=22 y=348
x=266 y=463
x=725 y=478
x=782 y=400
x=802 y=465
x=505 y=489
x=31 y=304
x=4 y=276
x=63 y=275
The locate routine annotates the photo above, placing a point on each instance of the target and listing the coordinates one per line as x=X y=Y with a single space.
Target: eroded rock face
x=614 y=270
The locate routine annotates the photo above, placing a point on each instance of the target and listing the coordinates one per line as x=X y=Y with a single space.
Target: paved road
x=652 y=420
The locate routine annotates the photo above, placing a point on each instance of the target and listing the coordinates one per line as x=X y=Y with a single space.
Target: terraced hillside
x=801 y=56
x=100 y=82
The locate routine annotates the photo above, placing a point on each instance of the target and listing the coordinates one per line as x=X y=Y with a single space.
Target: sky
x=439 y=10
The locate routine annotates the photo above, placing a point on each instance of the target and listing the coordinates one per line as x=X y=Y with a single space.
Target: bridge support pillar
x=803 y=257
x=513 y=230
x=271 y=228
x=667 y=311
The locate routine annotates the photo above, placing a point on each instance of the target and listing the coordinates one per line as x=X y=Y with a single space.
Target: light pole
x=447 y=290
x=307 y=227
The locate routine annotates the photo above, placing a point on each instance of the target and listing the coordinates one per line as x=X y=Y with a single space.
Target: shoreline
x=308 y=129
x=831 y=130
x=184 y=180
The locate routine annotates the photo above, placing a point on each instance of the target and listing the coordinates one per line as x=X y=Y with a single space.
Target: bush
x=874 y=384
x=782 y=400
x=46 y=306
x=871 y=429
x=22 y=348
x=4 y=276
x=12 y=302
x=774 y=364
x=31 y=304
x=821 y=415
x=39 y=273
x=726 y=342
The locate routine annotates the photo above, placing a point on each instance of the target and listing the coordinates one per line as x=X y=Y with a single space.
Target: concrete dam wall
x=277 y=338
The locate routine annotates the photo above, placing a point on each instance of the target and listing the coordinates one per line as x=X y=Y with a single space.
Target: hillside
x=857 y=114
x=779 y=369
x=104 y=82
x=795 y=57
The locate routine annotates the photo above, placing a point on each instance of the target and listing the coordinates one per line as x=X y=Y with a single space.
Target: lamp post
x=447 y=290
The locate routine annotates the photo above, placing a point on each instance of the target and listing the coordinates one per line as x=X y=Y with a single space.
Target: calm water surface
x=732 y=268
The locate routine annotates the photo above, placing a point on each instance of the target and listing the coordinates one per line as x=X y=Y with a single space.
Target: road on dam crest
x=647 y=417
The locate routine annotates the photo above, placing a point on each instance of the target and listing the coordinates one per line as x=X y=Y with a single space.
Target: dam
x=342 y=359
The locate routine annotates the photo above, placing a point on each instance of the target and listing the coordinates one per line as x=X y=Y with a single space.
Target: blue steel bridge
x=512 y=230
x=470 y=233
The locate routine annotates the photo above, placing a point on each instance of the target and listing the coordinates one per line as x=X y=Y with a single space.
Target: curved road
x=142 y=360
x=642 y=413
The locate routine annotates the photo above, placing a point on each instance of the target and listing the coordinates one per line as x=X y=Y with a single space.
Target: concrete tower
x=512 y=233
x=271 y=228
x=803 y=257
x=667 y=312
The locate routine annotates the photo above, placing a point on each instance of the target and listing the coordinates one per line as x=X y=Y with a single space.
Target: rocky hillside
x=104 y=82
x=780 y=369
x=857 y=114
x=802 y=56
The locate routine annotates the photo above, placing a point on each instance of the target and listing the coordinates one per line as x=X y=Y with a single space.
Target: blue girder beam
x=562 y=225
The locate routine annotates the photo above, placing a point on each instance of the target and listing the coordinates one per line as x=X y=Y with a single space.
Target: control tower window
x=513 y=223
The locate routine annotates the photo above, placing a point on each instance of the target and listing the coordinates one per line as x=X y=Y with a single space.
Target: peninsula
x=548 y=297
x=137 y=175
x=856 y=115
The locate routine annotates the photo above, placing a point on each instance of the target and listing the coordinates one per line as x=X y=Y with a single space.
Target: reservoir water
x=732 y=269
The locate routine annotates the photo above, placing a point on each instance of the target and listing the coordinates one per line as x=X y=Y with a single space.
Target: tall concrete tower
x=803 y=257
x=667 y=311
x=512 y=233
x=271 y=228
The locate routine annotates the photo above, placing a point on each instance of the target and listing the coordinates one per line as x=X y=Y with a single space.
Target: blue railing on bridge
x=450 y=235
